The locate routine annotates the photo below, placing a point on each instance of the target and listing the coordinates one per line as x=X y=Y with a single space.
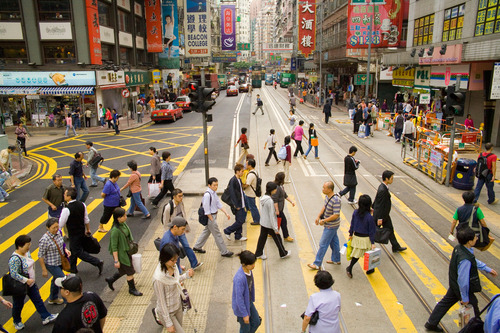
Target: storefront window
x=50 y=10
x=59 y=53
x=125 y=55
x=10 y=10
x=123 y=21
x=453 y=23
x=488 y=17
x=105 y=17
x=423 y=31
x=140 y=26
x=13 y=53
x=108 y=52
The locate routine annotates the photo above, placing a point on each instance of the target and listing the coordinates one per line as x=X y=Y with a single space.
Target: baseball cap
x=70 y=282
x=179 y=221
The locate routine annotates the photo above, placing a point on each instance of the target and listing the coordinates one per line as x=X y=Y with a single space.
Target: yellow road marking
x=52 y=166
x=3 y=204
x=190 y=154
x=18 y=213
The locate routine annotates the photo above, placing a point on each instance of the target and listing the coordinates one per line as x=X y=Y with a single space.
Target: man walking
x=350 y=180
x=489 y=179
x=237 y=198
x=78 y=177
x=76 y=219
x=211 y=204
x=167 y=176
x=329 y=218
x=327 y=110
x=260 y=104
x=102 y=115
x=464 y=279
x=93 y=164
x=399 y=123
x=250 y=188
x=54 y=196
x=382 y=209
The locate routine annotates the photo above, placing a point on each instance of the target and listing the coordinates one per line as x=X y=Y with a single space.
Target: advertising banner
x=443 y=76
x=403 y=78
x=453 y=55
x=136 y=78
x=495 y=84
x=198 y=31
x=84 y=78
x=423 y=77
x=388 y=21
x=227 y=57
x=307 y=27
x=170 y=18
x=94 y=33
x=228 y=39
x=153 y=26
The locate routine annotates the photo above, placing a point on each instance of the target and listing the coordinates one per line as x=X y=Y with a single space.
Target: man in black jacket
x=350 y=180
x=237 y=204
x=464 y=279
x=382 y=209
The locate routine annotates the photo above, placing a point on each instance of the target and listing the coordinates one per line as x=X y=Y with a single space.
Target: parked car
x=232 y=91
x=166 y=111
x=184 y=102
x=244 y=87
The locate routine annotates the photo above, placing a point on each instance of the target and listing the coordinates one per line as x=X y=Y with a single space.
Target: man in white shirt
x=250 y=190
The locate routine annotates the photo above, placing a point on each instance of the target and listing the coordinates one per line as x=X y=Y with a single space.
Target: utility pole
x=320 y=10
x=370 y=38
x=205 y=131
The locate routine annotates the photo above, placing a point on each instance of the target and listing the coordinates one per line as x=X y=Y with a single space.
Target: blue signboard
x=170 y=56
x=52 y=79
x=293 y=64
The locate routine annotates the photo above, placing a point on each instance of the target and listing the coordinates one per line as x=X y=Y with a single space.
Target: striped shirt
x=332 y=207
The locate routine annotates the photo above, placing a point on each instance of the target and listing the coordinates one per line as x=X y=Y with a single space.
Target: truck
x=287 y=79
x=222 y=81
x=269 y=79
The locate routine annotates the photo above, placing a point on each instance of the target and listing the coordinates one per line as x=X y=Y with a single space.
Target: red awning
x=112 y=86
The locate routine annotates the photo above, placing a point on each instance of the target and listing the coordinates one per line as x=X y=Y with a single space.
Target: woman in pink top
x=469 y=123
x=298 y=134
x=69 y=124
x=134 y=182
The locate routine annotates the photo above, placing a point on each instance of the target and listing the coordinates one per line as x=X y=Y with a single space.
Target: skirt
x=360 y=245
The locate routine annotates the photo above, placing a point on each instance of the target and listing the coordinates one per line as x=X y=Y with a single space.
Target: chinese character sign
x=387 y=23
x=228 y=39
x=307 y=27
x=94 y=33
x=197 y=28
x=153 y=25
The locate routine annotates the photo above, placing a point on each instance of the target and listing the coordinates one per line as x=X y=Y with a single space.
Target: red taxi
x=184 y=102
x=166 y=111
x=232 y=91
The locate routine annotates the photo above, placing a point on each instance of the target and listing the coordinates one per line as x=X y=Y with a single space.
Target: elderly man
x=5 y=158
x=54 y=196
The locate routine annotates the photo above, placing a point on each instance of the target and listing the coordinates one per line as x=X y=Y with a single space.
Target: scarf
x=168 y=280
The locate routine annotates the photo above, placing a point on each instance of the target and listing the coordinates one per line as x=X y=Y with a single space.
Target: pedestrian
x=464 y=279
x=102 y=115
x=398 y=126
x=211 y=205
x=469 y=123
x=7 y=304
x=329 y=218
x=167 y=287
x=326 y=303
x=140 y=112
x=111 y=195
x=250 y=190
x=238 y=207
x=5 y=159
x=384 y=106
x=327 y=110
x=69 y=124
x=292 y=119
x=408 y=130
x=85 y=310
x=463 y=214
x=88 y=118
x=298 y=133
x=116 y=122
x=271 y=145
x=367 y=120
x=269 y=224
x=243 y=141
x=382 y=209
x=167 y=177
x=313 y=141
x=155 y=166
x=492 y=319
x=21 y=134
x=350 y=180
x=489 y=179
x=279 y=200
x=109 y=118
x=21 y=268
x=76 y=219
x=292 y=101
x=243 y=297
x=78 y=177
x=362 y=232
x=51 y=248
x=134 y=182
x=287 y=162
x=357 y=119
x=93 y=164
x=259 y=104
x=119 y=247
x=54 y=196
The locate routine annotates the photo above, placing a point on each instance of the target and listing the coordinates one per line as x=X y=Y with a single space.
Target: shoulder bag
x=133 y=246
x=64 y=260
x=91 y=245
x=13 y=287
x=202 y=217
x=314 y=317
x=484 y=240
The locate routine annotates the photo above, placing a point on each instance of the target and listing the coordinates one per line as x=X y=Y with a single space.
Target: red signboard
x=94 y=33
x=228 y=21
x=307 y=27
x=469 y=137
x=153 y=25
x=388 y=20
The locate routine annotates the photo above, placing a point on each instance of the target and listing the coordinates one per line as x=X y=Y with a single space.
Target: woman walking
x=361 y=232
x=21 y=268
x=313 y=141
x=134 y=182
x=357 y=119
x=244 y=145
x=155 y=166
x=50 y=249
x=168 y=289
x=298 y=134
x=271 y=145
x=111 y=195
x=119 y=240
x=269 y=224
x=69 y=124
x=288 y=160
x=109 y=118
x=279 y=198
x=21 y=134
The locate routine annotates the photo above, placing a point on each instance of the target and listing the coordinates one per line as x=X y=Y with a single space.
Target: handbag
x=123 y=202
x=182 y=252
x=64 y=260
x=314 y=142
x=91 y=245
x=382 y=235
x=314 y=317
x=186 y=301
x=133 y=246
x=13 y=287
x=476 y=325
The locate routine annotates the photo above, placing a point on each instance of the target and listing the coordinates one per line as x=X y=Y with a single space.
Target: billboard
x=307 y=27
x=198 y=41
x=228 y=39
x=153 y=26
x=94 y=33
x=54 y=79
x=169 y=58
x=388 y=20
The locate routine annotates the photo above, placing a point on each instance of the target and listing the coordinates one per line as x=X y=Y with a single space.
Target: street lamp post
x=370 y=37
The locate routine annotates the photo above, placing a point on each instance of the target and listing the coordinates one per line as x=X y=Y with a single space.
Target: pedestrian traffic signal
x=194 y=96
x=455 y=102
x=207 y=102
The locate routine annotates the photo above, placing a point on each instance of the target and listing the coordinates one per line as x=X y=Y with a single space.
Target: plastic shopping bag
x=372 y=259
x=349 y=250
x=153 y=189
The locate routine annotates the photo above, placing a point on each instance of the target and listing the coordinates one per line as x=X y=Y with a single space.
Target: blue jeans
x=328 y=238
x=189 y=251
x=34 y=295
x=95 y=178
x=489 y=186
x=367 y=130
x=397 y=134
x=67 y=129
x=309 y=149
x=236 y=227
x=254 y=323
x=102 y=121
x=81 y=184
x=253 y=209
x=56 y=272
x=135 y=199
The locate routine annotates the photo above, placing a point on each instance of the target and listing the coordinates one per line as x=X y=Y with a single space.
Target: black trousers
x=110 y=125
x=387 y=223
x=351 y=190
x=446 y=303
x=299 y=148
x=263 y=238
x=106 y=214
x=87 y=122
x=284 y=225
x=168 y=185
x=157 y=179
x=23 y=144
x=272 y=151
x=77 y=251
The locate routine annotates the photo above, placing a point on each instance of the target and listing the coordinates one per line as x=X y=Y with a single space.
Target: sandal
x=313 y=266
x=333 y=262
x=102 y=230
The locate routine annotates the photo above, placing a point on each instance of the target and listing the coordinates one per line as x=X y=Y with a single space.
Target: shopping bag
x=349 y=250
x=486 y=247
x=137 y=262
x=3 y=177
x=314 y=142
x=12 y=182
x=372 y=259
x=361 y=131
x=153 y=189
x=279 y=222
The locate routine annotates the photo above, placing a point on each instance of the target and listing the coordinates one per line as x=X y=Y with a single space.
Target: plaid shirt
x=47 y=249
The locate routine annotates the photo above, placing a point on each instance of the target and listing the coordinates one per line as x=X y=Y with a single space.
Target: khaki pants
x=286 y=169
x=243 y=155
x=176 y=318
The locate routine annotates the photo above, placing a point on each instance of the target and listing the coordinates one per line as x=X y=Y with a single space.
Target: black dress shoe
x=100 y=266
x=228 y=255
x=199 y=250
x=370 y=271
x=433 y=328
x=400 y=249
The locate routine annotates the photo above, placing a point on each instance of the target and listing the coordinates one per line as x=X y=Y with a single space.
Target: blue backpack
x=282 y=153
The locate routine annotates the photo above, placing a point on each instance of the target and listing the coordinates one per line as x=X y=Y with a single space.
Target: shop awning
x=67 y=91
x=19 y=90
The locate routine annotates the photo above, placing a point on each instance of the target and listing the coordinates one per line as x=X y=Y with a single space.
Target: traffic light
x=206 y=98
x=455 y=102
x=194 y=96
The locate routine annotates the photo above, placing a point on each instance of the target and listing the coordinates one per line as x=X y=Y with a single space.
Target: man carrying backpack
x=252 y=189
x=485 y=172
x=93 y=160
x=260 y=104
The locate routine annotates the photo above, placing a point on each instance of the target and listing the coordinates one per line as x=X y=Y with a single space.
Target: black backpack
x=202 y=217
x=258 y=188
x=482 y=166
x=96 y=160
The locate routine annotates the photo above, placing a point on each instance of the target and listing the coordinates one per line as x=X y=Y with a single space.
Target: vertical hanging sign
x=307 y=27
x=170 y=56
x=153 y=25
x=228 y=28
x=198 y=31
x=94 y=33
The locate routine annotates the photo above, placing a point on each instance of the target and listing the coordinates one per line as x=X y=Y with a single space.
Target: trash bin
x=464 y=174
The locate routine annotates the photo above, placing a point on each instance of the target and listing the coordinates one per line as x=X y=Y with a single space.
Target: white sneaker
x=19 y=326
x=243 y=239
x=288 y=253
x=352 y=202
x=227 y=236
x=263 y=257
x=50 y=319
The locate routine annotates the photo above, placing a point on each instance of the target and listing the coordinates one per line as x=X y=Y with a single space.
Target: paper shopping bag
x=13 y=182
x=372 y=259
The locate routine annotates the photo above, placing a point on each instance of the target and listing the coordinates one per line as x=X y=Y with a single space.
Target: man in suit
x=382 y=209
x=237 y=204
x=350 y=180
